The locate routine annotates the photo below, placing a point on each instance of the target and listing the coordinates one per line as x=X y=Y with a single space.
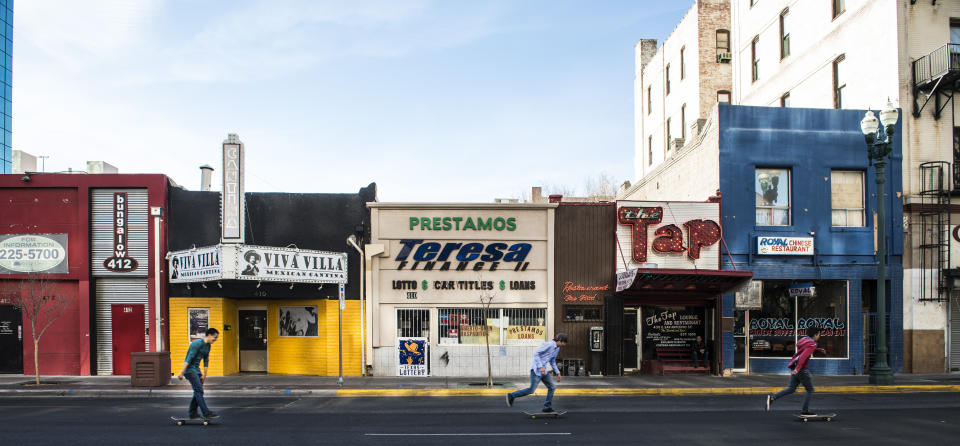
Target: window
x=847 y=198
x=668 y=135
x=955 y=32
x=650 y=150
x=683 y=122
x=683 y=66
x=785 y=100
x=666 y=77
x=413 y=323
x=723 y=45
x=577 y=313
x=506 y=326
x=784 y=35
x=789 y=307
x=298 y=321
x=839 y=81
x=754 y=62
x=649 y=101
x=723 y=96
x=772 y=188
x=838 y=7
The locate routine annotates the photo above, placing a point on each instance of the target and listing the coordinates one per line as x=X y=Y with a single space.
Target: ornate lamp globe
x=889 y=114
x=868 y=125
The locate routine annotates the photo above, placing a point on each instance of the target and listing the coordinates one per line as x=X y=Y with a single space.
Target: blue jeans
x=534 y=382
x=802 y=377
x=197 y=400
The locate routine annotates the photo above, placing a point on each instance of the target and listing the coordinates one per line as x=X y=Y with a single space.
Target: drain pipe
x=352 y=241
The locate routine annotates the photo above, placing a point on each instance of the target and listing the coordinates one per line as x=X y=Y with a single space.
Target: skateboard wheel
x=179 y=423
x=829 y=419
x=206 y=423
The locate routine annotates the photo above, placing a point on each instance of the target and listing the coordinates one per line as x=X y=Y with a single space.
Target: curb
x=161 y=393
x=676 y=391
x=380 y=393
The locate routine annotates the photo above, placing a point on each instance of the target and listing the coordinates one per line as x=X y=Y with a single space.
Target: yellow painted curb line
x=668 y=391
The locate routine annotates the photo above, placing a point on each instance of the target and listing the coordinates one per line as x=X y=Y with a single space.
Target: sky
x=435 y=101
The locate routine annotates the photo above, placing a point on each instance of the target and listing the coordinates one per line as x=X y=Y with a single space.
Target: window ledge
x=850 y=229
x=774 y=228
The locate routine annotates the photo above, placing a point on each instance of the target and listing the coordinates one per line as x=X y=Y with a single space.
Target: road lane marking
x=471 y=434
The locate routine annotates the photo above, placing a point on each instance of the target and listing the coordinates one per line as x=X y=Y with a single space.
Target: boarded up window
x=846 y=193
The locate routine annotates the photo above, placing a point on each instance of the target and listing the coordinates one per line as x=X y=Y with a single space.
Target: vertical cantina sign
x=120 y=262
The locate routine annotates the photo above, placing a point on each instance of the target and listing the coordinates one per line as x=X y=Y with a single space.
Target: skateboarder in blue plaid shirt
x=545 y=355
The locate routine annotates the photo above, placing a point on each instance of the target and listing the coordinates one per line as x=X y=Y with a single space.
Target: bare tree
x=601 y=185
x=35 y=297
x=486 y=298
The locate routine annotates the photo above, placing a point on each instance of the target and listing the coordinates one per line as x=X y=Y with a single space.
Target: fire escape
x=936 y=77
x=934 y=234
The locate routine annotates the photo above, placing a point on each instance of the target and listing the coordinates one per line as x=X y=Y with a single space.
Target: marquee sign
x=120 y=261
x=196 y=265
x=462 y=256
x=260 y=263
x=669 y=235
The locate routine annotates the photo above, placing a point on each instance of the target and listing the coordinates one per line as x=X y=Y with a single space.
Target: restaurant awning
x=683 y=282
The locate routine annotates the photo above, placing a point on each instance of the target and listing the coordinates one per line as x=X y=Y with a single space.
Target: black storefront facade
x=287 y=326
x=668 y=288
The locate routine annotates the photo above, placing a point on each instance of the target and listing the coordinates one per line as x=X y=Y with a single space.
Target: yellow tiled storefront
x=285 y=355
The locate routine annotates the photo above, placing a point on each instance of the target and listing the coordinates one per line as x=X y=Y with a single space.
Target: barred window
x=524 y=326
x=505 y=326
x=413 y=323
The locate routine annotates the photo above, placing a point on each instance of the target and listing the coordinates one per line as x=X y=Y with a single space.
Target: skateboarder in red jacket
x=799 y=374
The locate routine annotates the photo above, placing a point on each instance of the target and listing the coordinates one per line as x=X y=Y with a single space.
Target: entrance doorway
x=955 y=335
x=128 y=335
x=11 y=340
x=741 y=319
x=631 y=340
x=253 y=340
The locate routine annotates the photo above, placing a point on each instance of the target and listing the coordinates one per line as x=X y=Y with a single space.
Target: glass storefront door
x=631 y=346
x=740 y=357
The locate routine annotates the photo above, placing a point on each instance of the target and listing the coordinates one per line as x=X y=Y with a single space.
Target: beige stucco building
x=443 y=277
x=678 y=83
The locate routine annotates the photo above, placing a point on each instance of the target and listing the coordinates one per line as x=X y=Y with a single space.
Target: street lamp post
x=879 y=146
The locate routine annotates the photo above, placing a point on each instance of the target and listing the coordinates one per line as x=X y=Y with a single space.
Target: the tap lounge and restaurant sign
x=669 y=278
x=442 y=263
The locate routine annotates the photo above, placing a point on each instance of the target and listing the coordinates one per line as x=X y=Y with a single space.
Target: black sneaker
x=211 y=415
x=195 y=416
x=509 y=400
x=548 y=410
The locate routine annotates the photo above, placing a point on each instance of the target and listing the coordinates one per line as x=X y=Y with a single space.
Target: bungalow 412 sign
x=668 y=235
x=120 y=261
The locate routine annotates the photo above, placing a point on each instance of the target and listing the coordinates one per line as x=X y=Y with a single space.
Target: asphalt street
x=925 y=418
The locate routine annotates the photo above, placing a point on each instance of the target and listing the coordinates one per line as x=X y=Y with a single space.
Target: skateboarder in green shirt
x=199 y=349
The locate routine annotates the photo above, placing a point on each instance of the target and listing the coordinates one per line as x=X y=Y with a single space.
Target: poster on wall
x=199 y=322
x=412 y=356
x=300 y=321
x=33 y=253
x=670 y=327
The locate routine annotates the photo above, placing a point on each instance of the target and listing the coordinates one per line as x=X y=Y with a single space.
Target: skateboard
x=826 y=416
x=181 y=421
x=534 y=415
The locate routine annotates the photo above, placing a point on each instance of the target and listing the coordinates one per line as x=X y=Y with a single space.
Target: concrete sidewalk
x=321 y=386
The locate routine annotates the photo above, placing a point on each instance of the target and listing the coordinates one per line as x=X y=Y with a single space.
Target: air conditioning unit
x=677 y=143
x=724 y=57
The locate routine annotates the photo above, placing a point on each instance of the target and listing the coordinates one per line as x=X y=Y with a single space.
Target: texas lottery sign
x=785 y=246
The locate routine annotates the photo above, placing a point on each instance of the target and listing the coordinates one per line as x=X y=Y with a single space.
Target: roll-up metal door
x=117 y=291
x=955 y=335
x=102 y=230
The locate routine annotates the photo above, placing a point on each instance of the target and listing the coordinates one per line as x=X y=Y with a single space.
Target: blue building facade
x=799 y=181
x=6 y=93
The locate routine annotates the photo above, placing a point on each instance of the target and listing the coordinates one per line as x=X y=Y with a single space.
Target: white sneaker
x=769 y=402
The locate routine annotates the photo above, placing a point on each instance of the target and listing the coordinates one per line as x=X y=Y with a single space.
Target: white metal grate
x=413 y=323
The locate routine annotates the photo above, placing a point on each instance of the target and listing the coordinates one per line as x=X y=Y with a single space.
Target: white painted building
x=854 y=54
x=677 y=84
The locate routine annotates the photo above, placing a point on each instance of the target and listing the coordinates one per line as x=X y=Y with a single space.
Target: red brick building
x=110 y=231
